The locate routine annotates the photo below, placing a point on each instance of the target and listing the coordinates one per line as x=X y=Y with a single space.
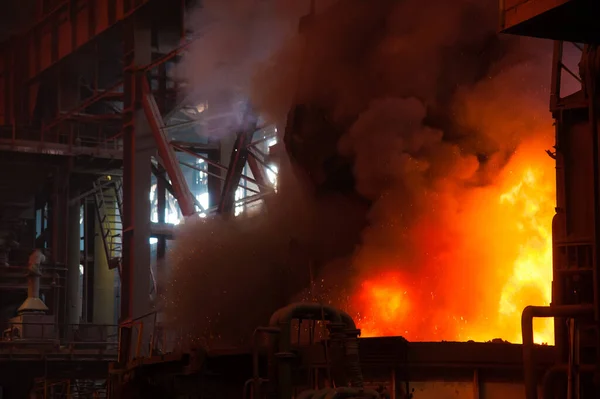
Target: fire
x=481 y=263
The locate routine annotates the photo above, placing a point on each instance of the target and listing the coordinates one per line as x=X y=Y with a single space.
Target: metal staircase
x=108 y=194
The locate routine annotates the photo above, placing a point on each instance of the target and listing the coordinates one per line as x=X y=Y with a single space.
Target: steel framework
x=95 y=85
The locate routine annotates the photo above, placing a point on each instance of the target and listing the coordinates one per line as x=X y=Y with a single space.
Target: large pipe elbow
x=529 y=313
x=347 y=320
x=553 y=372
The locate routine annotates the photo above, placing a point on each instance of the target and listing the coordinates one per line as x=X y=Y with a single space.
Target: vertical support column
x=58 y=226
x=161 y=95
x=161 y=187
x=556 y=75
x=103 y=284
x=74 y=253
x=86 y=291
x=161 y=195
x=138 y=149
x=560 y=233
x=60 y=200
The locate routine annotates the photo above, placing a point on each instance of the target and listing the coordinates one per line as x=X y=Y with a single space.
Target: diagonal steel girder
x=166 y=153
x=239 y=157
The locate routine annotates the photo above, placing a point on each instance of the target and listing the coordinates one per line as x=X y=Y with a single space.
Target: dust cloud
x=430 y=105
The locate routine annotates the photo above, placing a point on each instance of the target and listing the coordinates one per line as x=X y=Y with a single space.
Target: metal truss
x=123 y=109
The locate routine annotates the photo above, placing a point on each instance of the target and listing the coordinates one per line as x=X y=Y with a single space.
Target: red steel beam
x=168 y=156
x=68 y=27
x=110 y=92
x=239 y=156
x=81 y=107
x=215 y=164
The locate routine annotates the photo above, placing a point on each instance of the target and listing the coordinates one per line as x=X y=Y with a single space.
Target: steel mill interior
x=299 y=199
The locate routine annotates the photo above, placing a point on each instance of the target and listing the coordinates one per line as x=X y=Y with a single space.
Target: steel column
x=161 y=196
x=73 y=262
x=138 y=149
x=60 y=201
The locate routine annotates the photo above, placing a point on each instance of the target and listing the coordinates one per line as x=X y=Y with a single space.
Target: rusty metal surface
x=391 y=351
x=421 y=360
x=570 y=20
x=515 y=12
x=431 y=367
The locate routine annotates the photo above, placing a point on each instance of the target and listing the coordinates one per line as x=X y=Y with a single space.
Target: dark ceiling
x=16 y=15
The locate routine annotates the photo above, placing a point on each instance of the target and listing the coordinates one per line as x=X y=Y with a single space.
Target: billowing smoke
x=228 y=276
x=430 y=106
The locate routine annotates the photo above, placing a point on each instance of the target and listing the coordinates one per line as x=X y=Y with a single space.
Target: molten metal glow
x=499 y=260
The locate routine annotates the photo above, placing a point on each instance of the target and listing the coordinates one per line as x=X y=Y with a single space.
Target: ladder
x=108 y=194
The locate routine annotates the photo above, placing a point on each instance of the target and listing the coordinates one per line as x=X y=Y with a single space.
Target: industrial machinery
x=80 y=87
x=297 y=369
x=309 y=350
x=576 y=225
x=345 y=377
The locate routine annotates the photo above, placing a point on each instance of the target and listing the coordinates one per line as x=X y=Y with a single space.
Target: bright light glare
x=272 y=175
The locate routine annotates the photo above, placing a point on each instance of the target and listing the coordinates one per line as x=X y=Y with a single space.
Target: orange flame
x=499 y=261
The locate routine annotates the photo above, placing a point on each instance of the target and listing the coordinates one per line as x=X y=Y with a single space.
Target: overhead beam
x=68 y=27
x=48 y=148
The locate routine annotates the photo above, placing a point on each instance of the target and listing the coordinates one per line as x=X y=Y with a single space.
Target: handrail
x=24 y=333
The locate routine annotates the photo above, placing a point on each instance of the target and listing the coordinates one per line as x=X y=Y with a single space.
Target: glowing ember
x=484 y=260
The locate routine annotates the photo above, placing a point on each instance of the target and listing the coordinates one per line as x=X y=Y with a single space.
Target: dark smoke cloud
x=429 y=101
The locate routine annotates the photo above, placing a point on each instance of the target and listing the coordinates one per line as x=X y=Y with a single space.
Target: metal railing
x=32 y=340
x=151 y=337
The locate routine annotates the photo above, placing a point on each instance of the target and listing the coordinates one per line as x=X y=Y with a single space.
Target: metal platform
x=55 y=342
x=431 y=367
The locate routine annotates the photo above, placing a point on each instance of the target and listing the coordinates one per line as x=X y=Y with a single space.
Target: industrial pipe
x=256 y=380
x=282 y=318
x=565 y=311
x=352 y=351
x=347 y=320
x=554 y=371
x=590 y=64
x=33 y=303
x=343 y=327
